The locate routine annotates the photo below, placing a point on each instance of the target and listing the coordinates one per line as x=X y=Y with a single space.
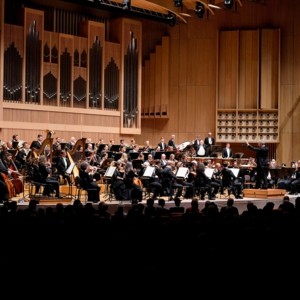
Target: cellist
x=13 y=173
x=5 y=194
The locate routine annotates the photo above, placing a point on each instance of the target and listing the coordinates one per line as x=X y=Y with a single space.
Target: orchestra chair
x=108 y=191
x=80 y=191
x=248 y=183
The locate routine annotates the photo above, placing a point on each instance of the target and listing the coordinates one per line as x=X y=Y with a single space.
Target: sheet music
x=70 y=168
x=149 y=171
x=110 y=172
x=182 y=172
x=209 y=172
x=235 y=171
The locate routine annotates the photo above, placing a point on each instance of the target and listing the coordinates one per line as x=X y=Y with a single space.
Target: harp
x=79 y=145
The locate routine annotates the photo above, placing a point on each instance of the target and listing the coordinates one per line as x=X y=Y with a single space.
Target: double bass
x=13 y=175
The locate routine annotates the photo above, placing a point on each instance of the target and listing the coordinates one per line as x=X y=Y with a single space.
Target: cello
x=13 y=174
x=9 y=185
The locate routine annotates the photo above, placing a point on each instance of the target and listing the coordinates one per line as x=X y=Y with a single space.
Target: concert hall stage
x=258 y=197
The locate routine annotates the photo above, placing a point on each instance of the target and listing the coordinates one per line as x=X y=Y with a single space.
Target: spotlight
x=228 y=3
x=126 y=4
x=178 y=3
x=171 y=19
x=199 y=10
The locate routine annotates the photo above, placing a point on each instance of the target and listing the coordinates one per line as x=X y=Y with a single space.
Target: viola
x=137 y=182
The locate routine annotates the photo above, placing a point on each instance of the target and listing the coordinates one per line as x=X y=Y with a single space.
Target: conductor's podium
x=263 y=193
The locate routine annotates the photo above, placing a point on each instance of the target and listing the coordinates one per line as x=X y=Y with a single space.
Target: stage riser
x=263 y=194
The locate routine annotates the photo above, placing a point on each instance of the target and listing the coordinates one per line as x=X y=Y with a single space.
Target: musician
x=71 y=144
x=203 y=183
x=38 y=143
x=189 y=187
x=294 y=184
x=262 y=161
x=209 y=141
x=147 y=147
x=15 y=141
x=62 y=166
x=202 y=150
x=13 y=172
x=88 y=182
x=4 y=193
x=152 y=183
x=45 y=174
x=56 y=145
x=163 y=161
x=196 y=143
x=133 y=182
x=170 y=182
x=227 y=152
x=171 y=142
x=162 y=145
x=23 y=156
x=231 y=182
x=118 y=185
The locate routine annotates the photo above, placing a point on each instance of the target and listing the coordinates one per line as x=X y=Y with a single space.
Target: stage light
x=171 y=19
x=126 y=4
x=178 y=3
x=228 y=3
x=199 y=10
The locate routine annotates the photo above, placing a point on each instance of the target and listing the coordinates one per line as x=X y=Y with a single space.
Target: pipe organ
x=89 y=76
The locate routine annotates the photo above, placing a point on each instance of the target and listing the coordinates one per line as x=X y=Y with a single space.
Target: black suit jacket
x=261 y=155
x=206 y=142
x=225 y=154
x=163 y=146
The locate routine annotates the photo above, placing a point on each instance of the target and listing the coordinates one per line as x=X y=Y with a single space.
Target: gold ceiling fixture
x=176 y=12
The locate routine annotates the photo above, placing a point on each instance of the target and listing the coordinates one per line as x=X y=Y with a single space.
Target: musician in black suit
x=227 y=151
x=38 y=143
x=262 y=169
x=62 y=165
x=171 y=142
x=209 y=141
x=162 y=145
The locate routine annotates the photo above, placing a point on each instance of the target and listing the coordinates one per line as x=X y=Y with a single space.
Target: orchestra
x=167 y=159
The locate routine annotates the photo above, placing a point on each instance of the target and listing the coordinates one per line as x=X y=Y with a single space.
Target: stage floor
x=220 y=201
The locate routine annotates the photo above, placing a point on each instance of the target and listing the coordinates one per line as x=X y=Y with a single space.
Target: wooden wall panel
x=158 y=80
x=248 y=69
x=146 y=87
x=165 y=76
x=228 y=69
x=152 y=84
x=270 y=49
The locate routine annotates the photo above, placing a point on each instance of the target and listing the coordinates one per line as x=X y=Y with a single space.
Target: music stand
x=158 y=154
x=238 y=155
x=107 y=177
x=235 y=171
x=115 y=148
x=15 y=145
x=209 y=172
x=117 y=156
x=182 y=172
x=101 y=147
x=133 y=155
x=137 y=164
x=69 y=172
x=168 y=153
x=148 y=172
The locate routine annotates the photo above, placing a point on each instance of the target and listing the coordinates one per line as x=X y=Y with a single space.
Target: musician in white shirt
x=202 y=150
x=227 y=152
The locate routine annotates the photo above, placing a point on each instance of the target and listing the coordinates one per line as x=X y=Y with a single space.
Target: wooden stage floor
x=258 y=197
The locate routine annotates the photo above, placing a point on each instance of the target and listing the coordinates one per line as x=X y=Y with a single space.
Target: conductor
x=262 y=169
